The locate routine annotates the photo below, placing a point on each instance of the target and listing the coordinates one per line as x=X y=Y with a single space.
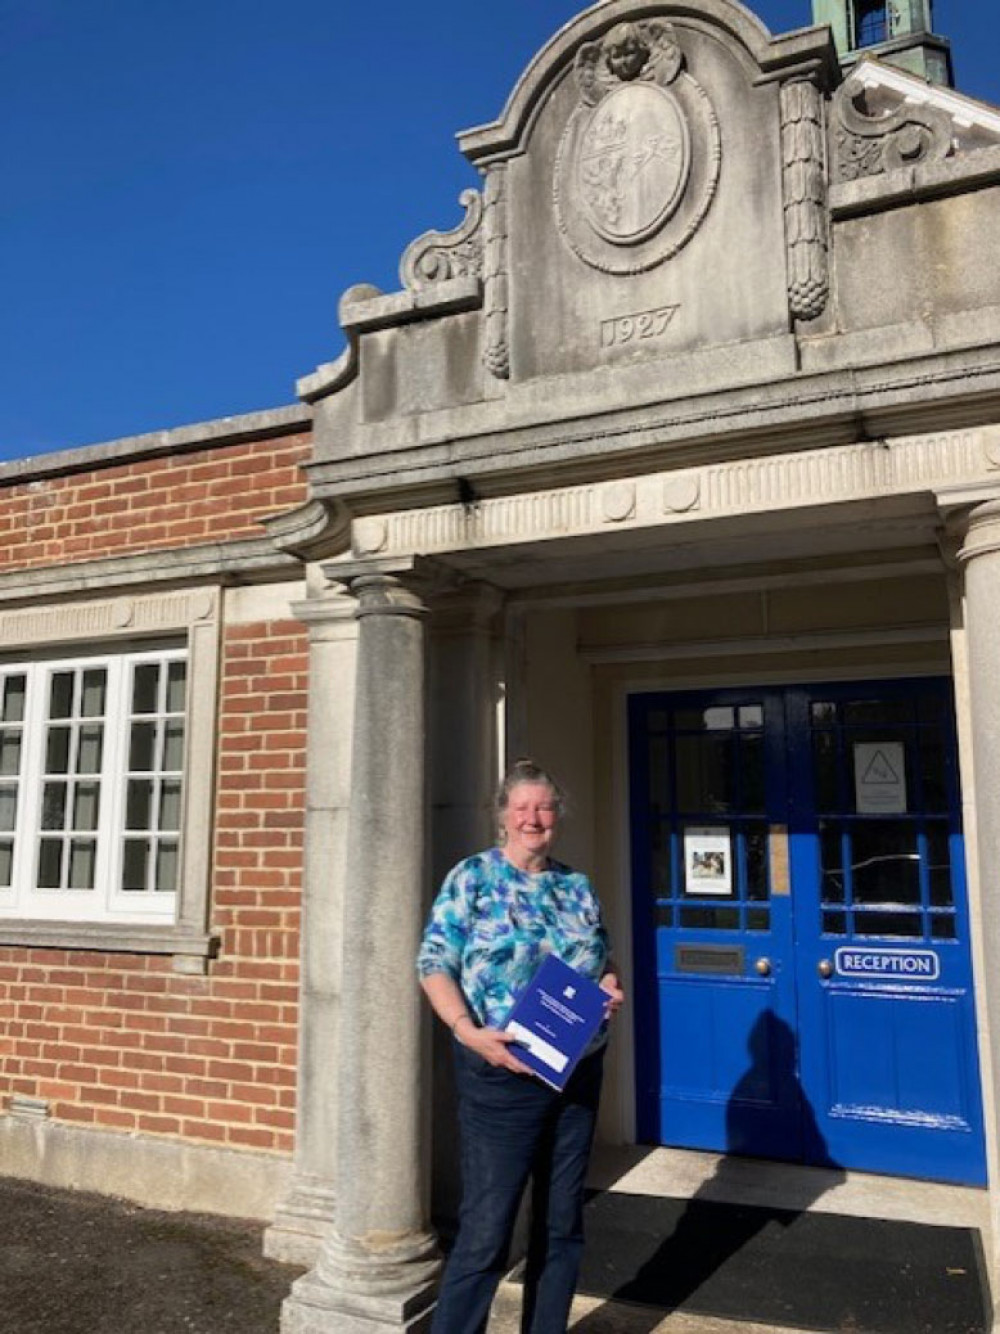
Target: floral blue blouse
x=492 y=924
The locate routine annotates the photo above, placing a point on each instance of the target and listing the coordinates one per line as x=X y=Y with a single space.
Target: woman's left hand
x=616 y=997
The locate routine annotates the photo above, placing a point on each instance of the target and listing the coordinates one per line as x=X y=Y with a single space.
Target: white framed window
x=92 y=776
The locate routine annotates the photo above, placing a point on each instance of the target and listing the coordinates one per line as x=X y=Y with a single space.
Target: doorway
x=803 y=979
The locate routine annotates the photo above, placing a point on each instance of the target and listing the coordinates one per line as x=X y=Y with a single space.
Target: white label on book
x=539 y=1047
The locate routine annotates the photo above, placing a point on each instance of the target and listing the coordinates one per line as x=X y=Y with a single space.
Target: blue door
x=802 y=971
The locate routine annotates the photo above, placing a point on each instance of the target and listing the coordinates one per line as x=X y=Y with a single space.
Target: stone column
x=980 y=556
x=377 y=1266
x=305 y=1215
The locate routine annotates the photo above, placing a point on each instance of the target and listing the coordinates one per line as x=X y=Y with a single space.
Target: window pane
x=933 y=771
x=943 y=928
x=50 y=863
x=835 y=924
x=6 y=863
x=94 y=691
x=870 y=22
x=705 y=767
x=660 y=868
x=170 y=804
x=908 y=925
x=141 y=747
x=751 y=715
x=758 y=919
x=831 y=850
x=173 y=747
x=86 y=806
x=711 y=919
x=705 y=720
x=824 y=713
x=752 y=761
x=166 y=868
x=8 y=806
x=875 y=712
x=54 y=806
x=756 y=854
x=10 y=753
x=82 y=860
x=134 y=865
x=61 y=695
x=939 y=867
x=176 y=686
x=932 y=708
x=139 y=804
x=145 y=684
x=13 y=699
x=57 y=744
x=825 y=770
x=659 y=775
x=885 y=863
x=88 y=759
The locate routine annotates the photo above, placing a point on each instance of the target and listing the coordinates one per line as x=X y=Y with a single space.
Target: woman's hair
x=524 y=770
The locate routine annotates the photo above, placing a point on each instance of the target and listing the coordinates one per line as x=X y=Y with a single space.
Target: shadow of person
x=729 y=1210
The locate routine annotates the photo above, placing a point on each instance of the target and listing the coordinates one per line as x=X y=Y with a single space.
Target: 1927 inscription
x=633 y=328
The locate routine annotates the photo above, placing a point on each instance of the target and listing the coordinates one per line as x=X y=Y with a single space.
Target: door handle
x=763 y=967
x=825 y=968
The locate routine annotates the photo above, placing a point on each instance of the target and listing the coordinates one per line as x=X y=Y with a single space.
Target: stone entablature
x=831 y=476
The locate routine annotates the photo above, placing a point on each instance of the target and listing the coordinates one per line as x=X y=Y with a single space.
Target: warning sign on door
x=880 y=777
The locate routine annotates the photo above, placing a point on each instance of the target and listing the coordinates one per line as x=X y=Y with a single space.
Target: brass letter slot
x=723 y=960
x=780 y=880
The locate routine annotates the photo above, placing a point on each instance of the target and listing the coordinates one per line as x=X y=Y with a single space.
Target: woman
x=497 y=915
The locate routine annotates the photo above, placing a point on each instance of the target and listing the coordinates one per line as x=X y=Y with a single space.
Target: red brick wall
x=150 y=504
x=123 y=1042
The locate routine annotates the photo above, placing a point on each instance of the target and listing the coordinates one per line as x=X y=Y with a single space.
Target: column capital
x=388 y=595
x=982 y=531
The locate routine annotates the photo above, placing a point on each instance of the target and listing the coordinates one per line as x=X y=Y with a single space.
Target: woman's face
x=529 y=823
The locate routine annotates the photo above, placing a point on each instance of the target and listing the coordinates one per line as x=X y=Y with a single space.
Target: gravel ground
x=73 y=1263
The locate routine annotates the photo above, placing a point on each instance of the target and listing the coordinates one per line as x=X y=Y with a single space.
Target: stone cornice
x=919 y=465
x=419 y=461
x=222 y=561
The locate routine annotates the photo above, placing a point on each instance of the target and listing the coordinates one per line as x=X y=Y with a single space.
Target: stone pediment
x=649 y=263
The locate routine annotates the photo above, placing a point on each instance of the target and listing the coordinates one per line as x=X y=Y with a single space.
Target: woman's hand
x=616 y=997
x=492 y=1045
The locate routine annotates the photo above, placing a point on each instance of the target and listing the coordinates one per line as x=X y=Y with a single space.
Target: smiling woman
x=498 y=915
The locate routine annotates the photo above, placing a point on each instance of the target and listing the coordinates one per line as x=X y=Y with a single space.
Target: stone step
x=594 y=1315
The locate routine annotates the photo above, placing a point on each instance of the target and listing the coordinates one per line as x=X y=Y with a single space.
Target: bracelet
x=455 y=1024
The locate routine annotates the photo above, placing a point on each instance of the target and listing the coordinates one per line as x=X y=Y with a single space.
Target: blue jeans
x=514 y=1127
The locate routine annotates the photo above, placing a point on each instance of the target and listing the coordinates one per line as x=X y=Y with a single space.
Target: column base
x=301 y=1222
x=366 y=1289
x=313 y=1307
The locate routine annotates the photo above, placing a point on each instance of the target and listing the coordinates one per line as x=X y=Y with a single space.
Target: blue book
x=554 y=1019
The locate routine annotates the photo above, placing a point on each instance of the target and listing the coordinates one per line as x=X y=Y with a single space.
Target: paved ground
x=82 y=1264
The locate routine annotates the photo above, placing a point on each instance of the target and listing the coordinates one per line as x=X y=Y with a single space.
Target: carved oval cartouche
x=632 y=162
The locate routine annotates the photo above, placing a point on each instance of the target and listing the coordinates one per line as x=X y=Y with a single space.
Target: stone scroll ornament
x=638 y=164
x=438 y=256
x=805 y=199
x=867 y=144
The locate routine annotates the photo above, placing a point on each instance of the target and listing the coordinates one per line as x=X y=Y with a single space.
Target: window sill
x=191 y=949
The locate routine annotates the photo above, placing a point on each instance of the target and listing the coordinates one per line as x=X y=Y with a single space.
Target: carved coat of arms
x=624 y=168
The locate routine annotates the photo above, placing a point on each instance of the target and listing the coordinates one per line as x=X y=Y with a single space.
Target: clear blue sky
x=189 y=185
